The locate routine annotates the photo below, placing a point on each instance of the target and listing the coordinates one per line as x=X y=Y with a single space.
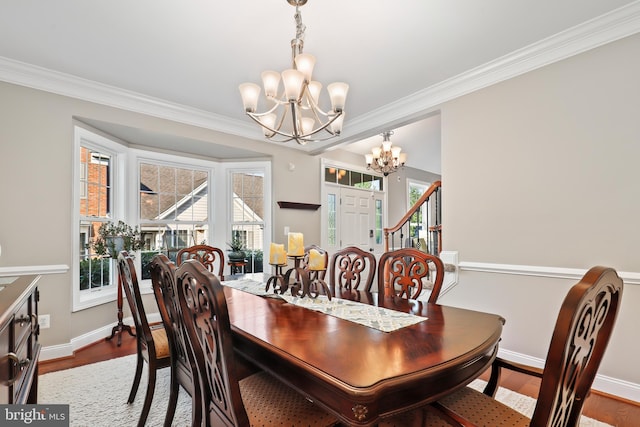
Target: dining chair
x=152 y=345
x=211 y=257
x=315 y=274
x=406 y=272
x=163 y=273
x=579 y=340
x=256 y=400
x=350 y=268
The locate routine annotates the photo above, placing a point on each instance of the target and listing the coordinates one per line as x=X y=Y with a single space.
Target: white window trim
x=227 y=170
x=172 y=160
x=125 y=200
x=87 y=298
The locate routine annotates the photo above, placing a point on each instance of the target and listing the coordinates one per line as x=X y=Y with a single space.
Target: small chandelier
x=298 y=101
x=386 y=158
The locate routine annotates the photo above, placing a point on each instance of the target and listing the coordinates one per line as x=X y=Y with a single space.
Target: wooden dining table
x=359 y=373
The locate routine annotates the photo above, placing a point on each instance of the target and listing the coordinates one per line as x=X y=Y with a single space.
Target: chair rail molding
x=629 y=278
x=33 y=269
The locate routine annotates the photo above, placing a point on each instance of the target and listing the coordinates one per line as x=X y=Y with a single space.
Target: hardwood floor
x=611 y=410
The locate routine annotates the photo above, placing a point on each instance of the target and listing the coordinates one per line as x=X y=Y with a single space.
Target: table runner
x=380 y=318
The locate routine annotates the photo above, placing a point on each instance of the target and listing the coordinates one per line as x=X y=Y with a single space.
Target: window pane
x=378 y=221
x=343 y=177
x=377 y=183
x=167 y=180
x=95 y=199
x=174 y=210
x=331 y=219
x=330 y=175
x=353 y=178
x=149 y=205
x=95 y=271
x=356 y=179
x=247 y=203
x=95 y=209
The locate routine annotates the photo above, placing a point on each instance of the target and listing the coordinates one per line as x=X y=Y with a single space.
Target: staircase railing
x=427 y=210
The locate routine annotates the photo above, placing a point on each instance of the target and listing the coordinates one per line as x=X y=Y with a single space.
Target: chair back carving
x=211 y=257
x=351 y=268
x=206 y=319
x=163 y=273
x=405 y=272
x=580 y=337
x=319 y=274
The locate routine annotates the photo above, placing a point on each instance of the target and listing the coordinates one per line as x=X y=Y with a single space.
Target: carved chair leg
x=173 y=397
x=148 y=396
x=136 y=379
x=494 y=379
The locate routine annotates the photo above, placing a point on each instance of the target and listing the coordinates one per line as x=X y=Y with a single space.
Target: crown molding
x=47 y=80
x=607 y=28
x=617 y=24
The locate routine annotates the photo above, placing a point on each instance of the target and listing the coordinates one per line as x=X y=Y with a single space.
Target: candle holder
x=301 y=284
x=316 y=274
x=317 y=284
x=278 y=282
x=296 y=259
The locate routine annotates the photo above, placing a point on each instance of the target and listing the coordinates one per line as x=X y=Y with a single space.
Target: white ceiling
x=185 y=59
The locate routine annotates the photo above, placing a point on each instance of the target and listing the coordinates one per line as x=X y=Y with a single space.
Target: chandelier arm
x=325 y=128
x=277 y=102
x=301 y=139
x=266 y=112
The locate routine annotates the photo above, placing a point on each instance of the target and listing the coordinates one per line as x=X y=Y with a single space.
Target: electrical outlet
x=44 y=320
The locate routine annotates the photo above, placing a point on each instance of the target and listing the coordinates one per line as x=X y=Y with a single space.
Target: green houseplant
x=236 y=251
x=115 y=237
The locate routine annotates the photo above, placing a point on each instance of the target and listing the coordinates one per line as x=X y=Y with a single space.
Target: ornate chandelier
x=386 y=158
x=295 y=114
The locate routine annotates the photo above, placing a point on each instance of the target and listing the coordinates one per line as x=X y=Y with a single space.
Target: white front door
x=358 y=211
x=356 y=218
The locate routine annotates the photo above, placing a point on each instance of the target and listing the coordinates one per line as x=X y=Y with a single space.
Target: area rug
x=97 y=395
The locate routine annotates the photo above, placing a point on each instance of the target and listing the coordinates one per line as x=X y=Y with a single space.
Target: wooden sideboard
x=19 y=347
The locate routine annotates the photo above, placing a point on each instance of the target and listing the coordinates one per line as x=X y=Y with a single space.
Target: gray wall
x=542 y=170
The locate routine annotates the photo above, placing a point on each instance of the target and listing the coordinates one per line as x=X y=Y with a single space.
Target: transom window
x=352 y=178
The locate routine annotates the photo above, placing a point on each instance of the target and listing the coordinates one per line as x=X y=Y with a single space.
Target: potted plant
x=115 y=237
x=236 y=247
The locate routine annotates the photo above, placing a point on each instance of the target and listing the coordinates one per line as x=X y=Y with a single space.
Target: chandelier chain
x=300 y=27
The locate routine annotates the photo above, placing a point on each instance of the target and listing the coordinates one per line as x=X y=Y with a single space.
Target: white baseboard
x=450 y=277
x=66 y=350
x=612 y=386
